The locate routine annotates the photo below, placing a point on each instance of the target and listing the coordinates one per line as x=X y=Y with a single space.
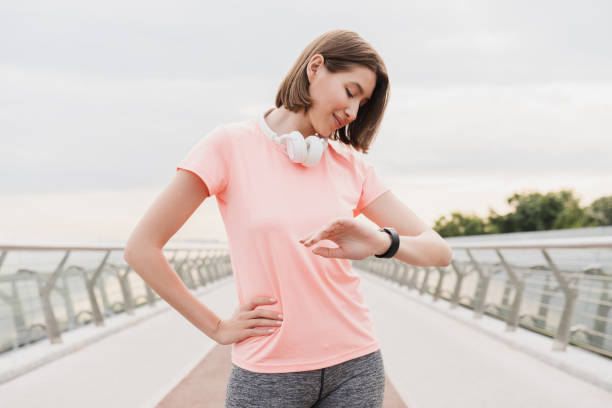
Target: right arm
x=143 y=252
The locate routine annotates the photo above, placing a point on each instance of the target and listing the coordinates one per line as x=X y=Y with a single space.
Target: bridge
x=493 y=329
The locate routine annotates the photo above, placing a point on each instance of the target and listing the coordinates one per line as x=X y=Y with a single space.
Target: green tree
x=531 y=211
x=600 y=211
x=459 y=224
x=534 y=211
x=572 y=215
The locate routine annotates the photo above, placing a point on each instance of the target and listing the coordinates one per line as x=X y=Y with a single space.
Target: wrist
x=384 y=243
x=395 y=243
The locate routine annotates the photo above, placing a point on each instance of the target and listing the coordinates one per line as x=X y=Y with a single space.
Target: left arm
x=419 y=244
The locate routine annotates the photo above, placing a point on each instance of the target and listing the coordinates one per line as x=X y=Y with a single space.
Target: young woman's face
x=337 y=97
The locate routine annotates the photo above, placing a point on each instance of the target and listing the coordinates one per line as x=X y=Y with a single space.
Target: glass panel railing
x=559 y=287
x=46 y=290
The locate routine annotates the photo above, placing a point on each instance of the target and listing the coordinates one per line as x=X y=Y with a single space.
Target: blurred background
x=489 y=101
x=499 y=123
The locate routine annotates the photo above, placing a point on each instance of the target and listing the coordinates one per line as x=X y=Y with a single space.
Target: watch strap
x=395 y=242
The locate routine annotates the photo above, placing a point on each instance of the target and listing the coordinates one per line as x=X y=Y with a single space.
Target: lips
x=338 y=123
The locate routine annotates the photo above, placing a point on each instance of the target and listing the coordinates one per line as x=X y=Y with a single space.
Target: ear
x=314 y=65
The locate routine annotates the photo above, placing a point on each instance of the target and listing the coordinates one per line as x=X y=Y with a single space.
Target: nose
x=351 y=112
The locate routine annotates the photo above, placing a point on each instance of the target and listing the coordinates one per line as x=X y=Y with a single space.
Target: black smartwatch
x=395 y=242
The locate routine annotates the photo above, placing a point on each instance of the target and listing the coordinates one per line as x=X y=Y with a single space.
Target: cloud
x=526 y=129
x=88 y=132
x=110 y=98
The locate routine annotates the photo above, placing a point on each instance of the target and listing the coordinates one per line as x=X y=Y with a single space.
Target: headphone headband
x=306 y=151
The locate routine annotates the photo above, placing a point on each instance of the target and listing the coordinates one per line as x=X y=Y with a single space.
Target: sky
x=99 y=103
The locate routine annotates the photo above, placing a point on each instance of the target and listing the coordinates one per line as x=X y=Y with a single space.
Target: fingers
x=310 y=238
x=325 y=234
x=259 y=300
x=259 y=332
x=269 y=324
x=306 y=239
x=329 y=252
x=267 y=314
x=331 y=231
x=264 y=322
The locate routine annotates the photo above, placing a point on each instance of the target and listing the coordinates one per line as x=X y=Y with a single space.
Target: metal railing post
x=424 y=283
x=438 y=292
x=457 y=290
x=90 y=284
x=481 y=288
x=513 y=317
x=53 y=330
x=563 y=334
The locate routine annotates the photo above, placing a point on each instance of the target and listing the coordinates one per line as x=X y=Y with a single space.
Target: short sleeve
x=372 y=187
x=209 y=159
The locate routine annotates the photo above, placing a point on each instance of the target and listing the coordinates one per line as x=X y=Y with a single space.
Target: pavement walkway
x=434 y=357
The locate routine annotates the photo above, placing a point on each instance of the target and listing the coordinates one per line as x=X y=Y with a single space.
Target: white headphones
x=306 y=152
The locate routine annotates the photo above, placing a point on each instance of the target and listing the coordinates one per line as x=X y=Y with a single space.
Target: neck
x=282 y=121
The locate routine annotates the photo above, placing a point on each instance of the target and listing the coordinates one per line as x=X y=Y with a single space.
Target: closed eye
x=350 y=95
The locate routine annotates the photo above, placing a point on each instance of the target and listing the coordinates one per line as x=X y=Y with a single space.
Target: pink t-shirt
x=268 y=203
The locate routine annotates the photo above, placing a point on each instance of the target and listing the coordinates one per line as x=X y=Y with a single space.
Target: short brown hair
x=341 y=51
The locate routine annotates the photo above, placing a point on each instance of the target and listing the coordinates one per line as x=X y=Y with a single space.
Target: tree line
x=531 y=211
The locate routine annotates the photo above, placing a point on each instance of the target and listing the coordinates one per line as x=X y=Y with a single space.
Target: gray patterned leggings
x=355 y=383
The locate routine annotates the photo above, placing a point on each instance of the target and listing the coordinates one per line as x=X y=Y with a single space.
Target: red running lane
x=205 y=385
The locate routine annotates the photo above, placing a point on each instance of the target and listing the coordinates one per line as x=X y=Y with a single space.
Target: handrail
x=576 y=243
x=104 y=290
x=497 y=286
x=95 y=247
x=500 y=289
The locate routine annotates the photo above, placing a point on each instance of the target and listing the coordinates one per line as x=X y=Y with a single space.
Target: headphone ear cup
x=306 y=151
x=297 y=148
x=315 y=147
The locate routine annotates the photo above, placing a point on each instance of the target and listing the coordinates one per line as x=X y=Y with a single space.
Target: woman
x=282 y=195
